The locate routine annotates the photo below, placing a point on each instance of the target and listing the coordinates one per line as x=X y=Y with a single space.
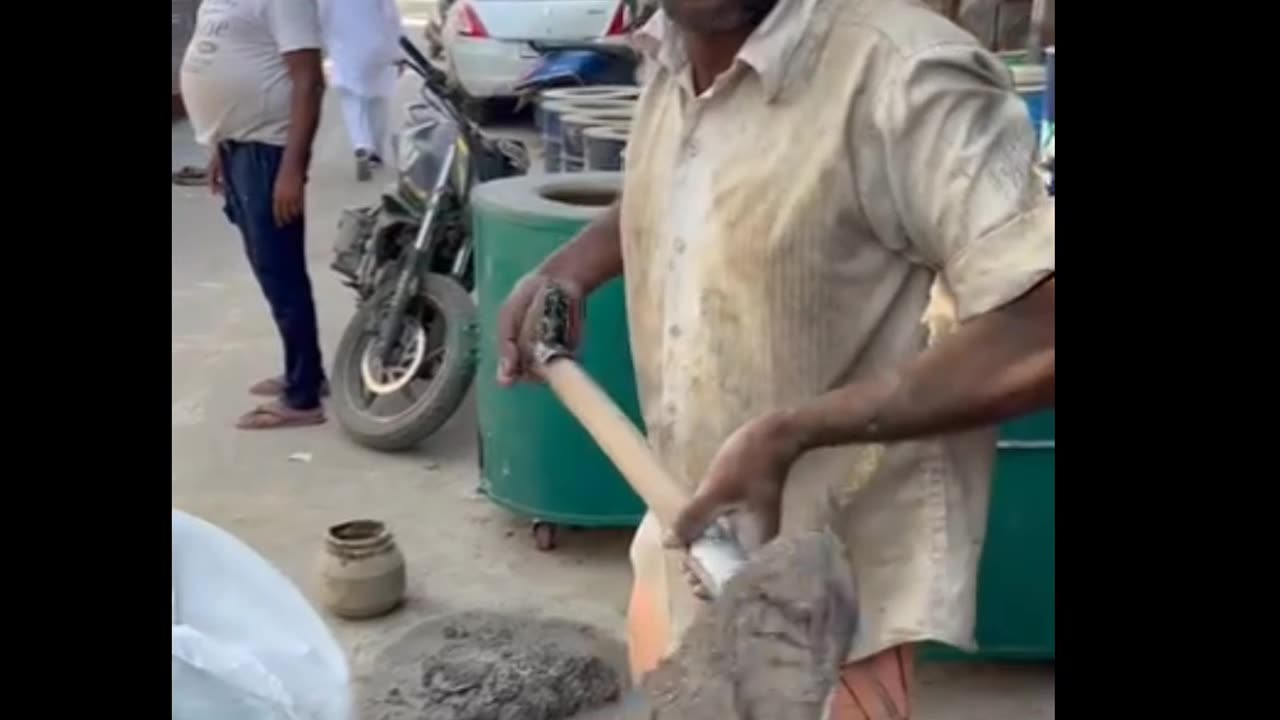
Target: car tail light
x=469 y=24
x=621 y=22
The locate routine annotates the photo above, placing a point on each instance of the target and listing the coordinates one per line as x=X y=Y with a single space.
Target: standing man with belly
x=799 y=173
x=252 y=83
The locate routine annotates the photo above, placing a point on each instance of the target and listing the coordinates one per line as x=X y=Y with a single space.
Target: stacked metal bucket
x=585 y=128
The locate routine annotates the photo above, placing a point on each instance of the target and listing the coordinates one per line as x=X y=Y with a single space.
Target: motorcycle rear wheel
x=453 y=347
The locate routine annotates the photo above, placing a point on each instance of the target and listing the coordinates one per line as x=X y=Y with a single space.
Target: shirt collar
x=767 y=51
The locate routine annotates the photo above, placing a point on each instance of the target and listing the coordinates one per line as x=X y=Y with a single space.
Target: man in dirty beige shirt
x=799 y=174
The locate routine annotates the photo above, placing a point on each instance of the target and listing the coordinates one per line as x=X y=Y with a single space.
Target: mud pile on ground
x=481 y=666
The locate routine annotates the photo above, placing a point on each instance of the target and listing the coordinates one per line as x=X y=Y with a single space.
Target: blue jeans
x=279 y=261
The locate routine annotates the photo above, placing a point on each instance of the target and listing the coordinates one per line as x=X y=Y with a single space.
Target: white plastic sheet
x=246 y=644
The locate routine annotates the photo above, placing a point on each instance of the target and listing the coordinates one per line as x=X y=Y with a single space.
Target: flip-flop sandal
x=190 y=176
x=267 y=417
x=274 y=387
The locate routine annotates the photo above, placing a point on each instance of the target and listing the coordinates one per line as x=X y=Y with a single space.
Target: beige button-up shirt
x=781 y=234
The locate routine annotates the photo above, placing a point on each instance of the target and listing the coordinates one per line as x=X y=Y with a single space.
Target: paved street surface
x=462 y=552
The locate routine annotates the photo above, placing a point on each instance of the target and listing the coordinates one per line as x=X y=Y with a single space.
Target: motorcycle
x=407 y=356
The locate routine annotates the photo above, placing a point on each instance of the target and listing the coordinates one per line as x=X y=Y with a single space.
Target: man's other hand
x=214 y=172
x=289 y=196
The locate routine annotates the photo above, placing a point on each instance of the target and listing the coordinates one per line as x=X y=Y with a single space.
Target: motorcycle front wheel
x=395 y=405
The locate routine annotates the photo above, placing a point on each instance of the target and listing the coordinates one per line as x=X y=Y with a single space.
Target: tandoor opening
x=581 y=195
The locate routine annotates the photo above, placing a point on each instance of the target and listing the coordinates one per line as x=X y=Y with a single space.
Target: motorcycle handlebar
x=416 y=59
x=435 y=88
x=436 y=92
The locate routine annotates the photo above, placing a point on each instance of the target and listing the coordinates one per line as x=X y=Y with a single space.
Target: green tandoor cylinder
x=536 y=460
x=1016 y=600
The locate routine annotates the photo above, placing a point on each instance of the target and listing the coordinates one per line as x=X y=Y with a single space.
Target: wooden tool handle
x=716 y=556
x=618 y=437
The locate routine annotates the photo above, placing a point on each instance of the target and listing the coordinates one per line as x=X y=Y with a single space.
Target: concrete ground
x=279 y=490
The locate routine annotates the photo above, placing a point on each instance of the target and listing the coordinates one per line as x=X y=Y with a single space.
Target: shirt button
x=691 y=148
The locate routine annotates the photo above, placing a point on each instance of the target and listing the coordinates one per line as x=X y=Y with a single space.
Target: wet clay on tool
x=483 y=666
x=771 y=646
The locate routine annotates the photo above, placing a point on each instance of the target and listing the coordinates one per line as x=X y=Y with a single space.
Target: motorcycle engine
x=354 y=226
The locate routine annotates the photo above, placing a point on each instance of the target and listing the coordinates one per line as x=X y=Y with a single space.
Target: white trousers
x=367 y=119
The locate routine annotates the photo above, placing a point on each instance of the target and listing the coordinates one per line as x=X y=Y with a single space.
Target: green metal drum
x=536 y=460
x=1016 y=597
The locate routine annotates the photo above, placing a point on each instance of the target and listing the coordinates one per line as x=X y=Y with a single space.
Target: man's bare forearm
x=995 y=367
x=304 y=107
x=593 y=257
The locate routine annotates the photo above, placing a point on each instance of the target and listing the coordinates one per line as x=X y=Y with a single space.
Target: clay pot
x=361 y=570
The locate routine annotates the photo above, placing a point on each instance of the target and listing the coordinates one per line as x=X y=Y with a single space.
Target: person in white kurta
x=362 y=39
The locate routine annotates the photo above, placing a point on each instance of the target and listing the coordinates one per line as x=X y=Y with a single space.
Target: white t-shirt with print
x=235 y=84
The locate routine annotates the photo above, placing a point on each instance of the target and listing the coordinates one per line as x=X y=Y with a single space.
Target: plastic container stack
x=565 y=115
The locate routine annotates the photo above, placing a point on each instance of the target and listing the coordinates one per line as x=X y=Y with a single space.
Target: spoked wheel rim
x=387 y=393
x=384 y=379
